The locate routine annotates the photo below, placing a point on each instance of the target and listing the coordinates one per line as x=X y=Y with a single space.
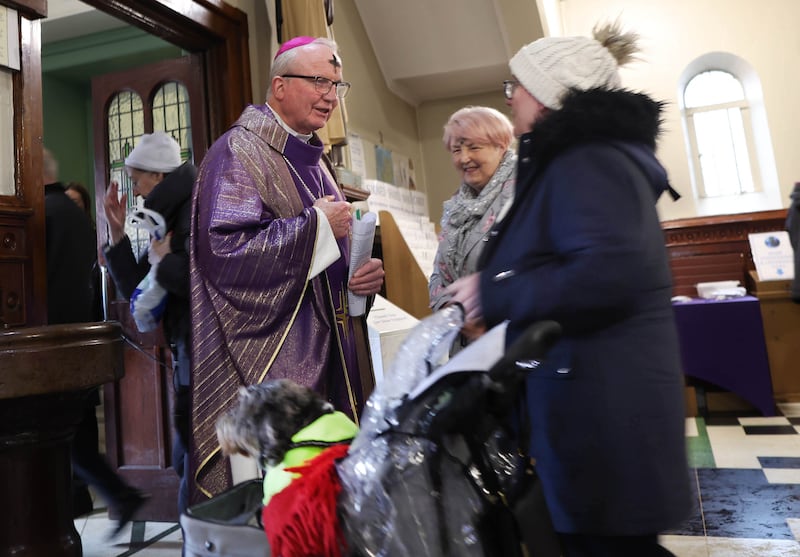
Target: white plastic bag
x=148 y=302
x=149 y=299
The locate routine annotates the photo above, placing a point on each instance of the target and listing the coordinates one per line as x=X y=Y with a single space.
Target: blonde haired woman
x=479 y=140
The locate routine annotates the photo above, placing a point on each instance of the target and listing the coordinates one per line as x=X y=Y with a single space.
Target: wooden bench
x=689 y=270
x=706 y=249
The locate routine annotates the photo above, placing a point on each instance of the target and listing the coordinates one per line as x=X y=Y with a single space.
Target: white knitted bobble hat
x=550 y=67
x=155 y=152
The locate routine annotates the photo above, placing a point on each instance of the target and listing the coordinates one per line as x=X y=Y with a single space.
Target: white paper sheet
x=773 y=255
x=357 y=162
x=360 y=252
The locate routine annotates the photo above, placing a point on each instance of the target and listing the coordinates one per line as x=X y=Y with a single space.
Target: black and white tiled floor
x=746 y=475
x=143 y=539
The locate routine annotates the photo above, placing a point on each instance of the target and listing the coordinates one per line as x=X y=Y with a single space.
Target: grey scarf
x=465 y=210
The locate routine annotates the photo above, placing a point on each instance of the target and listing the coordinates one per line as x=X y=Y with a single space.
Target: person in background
x=78 y=193
x=270 y=256
x=792 y=226
x=582 y=245
x=165 y=182
x=71 y=254
x=479 y=141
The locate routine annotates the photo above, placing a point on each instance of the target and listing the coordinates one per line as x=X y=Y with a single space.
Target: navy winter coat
x=582 y=245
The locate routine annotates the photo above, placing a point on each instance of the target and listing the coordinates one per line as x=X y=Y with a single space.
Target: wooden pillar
x=35 y=465
x=47 y=372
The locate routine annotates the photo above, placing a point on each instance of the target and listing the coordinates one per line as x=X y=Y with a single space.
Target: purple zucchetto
x=294 y=43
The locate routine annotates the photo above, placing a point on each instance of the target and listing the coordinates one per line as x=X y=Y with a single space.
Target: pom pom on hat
x=155 y=152
x=294 y=43
x=550 y=67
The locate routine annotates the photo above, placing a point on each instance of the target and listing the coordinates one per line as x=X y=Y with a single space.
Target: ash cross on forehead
x=335 y=62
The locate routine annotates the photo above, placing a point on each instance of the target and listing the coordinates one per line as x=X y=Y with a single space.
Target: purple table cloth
x=722 y=342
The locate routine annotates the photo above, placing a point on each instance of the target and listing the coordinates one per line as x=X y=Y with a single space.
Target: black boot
x=127 y=506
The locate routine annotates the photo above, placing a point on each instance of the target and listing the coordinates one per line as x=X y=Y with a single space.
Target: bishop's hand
x=337 y=213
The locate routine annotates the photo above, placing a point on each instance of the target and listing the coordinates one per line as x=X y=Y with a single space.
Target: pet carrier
x=437 y=468
x=227 y=525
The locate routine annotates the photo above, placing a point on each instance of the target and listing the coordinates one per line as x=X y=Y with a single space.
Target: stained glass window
x=171 y=114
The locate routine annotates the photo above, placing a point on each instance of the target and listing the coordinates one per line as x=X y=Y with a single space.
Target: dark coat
x=172 y=199
x=793 y=228
x=71 y=247
x=583 y=245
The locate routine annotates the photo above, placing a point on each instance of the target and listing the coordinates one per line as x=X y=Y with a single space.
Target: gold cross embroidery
x=341 y=313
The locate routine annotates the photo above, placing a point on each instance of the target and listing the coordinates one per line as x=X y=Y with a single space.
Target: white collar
x=301 y=136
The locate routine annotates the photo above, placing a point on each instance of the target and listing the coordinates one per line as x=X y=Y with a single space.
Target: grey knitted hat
x=155 y=152
x=550 y=67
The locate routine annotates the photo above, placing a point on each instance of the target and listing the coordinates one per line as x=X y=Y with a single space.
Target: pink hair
x=478 y=123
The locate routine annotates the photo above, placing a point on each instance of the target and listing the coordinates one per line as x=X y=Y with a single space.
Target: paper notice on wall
x=360 y=253
x=9 y=38
x=7 y=153
x=402 y=171
x=773 y=255
x=3 y=36
x=383 y=164
x=357 y=163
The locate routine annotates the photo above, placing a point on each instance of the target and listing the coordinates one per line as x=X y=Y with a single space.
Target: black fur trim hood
x=596 y=115
x=631 y=121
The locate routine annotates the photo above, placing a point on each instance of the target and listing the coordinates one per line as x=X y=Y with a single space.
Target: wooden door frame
x=22 y=214
x=211 y=27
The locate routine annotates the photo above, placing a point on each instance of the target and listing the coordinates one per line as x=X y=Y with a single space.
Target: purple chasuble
x=255 y=316
x=314 y=181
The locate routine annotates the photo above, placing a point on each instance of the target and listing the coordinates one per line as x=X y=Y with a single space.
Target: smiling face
x=475 y=160
x=296 y=100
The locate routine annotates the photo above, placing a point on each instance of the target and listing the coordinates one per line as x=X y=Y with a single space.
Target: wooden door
x=165 y=96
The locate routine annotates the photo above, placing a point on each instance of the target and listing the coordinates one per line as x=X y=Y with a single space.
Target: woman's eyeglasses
x=508 y=88
x=323 y=85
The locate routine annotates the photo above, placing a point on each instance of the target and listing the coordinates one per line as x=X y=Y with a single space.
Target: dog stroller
x=436 y=470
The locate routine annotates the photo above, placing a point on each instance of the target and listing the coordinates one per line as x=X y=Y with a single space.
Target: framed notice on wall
x=773 y=255
x=9 y=38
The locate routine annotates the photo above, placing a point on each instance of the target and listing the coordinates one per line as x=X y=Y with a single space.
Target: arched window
x=718 y=117
x=171 y=114
x=727 y=136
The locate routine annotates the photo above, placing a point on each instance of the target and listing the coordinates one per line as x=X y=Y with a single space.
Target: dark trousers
x=580 y=545
x=91 y=467
x=182 y=422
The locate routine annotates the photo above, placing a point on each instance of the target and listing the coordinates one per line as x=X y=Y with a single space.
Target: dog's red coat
x=301 y=520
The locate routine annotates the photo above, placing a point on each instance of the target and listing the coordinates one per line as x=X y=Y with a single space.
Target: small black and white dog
x=266 y=418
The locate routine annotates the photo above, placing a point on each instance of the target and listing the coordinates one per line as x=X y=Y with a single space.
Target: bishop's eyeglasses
x=323 y=85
